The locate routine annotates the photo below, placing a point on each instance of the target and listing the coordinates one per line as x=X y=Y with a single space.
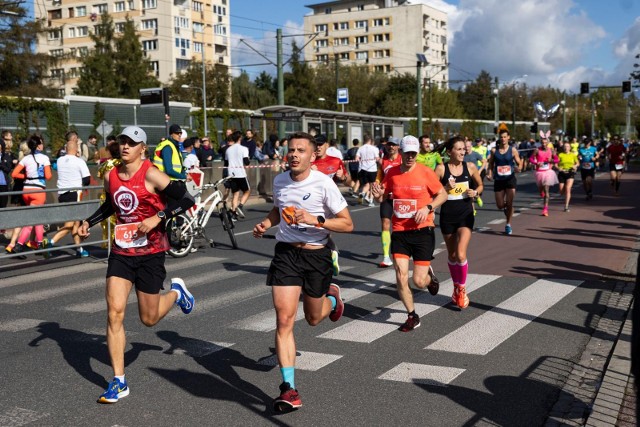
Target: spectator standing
x=35 y=169
x=354 y=167
x=269 y=147
x=191 y=160
x=250 y=143
x=333 y=149
x=72 y=173
x=206 y=153
x=92 y=143
x=7 y=162
x=168 y=155
x=104 y=153
x=368 y=156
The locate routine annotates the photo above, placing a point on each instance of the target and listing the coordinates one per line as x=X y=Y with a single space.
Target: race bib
x=459 y=191
x=128 y=236
x=586 y=165
x=543 y=166
x=504 y=170
x=405 y=208
x=619 y=166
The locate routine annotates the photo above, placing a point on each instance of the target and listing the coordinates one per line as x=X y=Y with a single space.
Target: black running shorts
x=418 y=244
x=564 y=176
x=450 y=227
x=309 y=268
x=146 y=272
x=584 y=173
x=503 y=184
x=238 y=184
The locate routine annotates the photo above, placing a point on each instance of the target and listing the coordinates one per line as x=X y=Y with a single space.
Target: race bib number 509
x=405 y=208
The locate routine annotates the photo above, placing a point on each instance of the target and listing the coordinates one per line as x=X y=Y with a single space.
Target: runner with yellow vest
x=167 y=156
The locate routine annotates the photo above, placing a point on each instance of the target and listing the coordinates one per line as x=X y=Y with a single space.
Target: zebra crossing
x=477 y=337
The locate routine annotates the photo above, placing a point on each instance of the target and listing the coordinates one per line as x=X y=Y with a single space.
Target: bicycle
x=184 y=228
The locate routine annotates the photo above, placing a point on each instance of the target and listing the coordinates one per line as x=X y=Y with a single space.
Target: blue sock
x=288 y=375
x=333 y=301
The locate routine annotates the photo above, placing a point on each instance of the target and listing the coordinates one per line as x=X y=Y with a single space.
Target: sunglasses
x=128 y=141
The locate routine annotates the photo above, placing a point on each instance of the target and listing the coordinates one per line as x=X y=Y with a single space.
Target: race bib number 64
x=128 y=236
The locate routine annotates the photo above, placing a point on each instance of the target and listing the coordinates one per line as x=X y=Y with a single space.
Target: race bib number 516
x=128 y=236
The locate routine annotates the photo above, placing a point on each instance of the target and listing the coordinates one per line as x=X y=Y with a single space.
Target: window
x=73 y=73
x=344 y=25
x=327 y=10
x=343 y=41
x=322 y=58
x=321 y=28
x=182 y=64
x=149 y=4
x=73 y=52
x=443 y=39
x=197 y=6
x=380 y=22
x=72 y=32
x=119 y=6
x=220 y=30
x=344 y=56
x=155 y=67
x=81 y=11
x=184 y=45
x=55 y=14
x=362 y=55
x=198 y=27
x=83 y=51
x=197 y=47
x=54 y=34
x=181 y=22
x=101 y=8
x=119 y=27
x=83 y=31
x=219 y=10
x=361 y=24
x=57 y=73
x=149 y=45
x=362 y=40
x=56 y=53
x=149 y=24
x=381 y=38
x=361 y=7
x=382 y=53
x=322 y=43
x=131 y=5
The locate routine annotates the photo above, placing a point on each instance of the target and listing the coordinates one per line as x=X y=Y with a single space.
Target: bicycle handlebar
x=216 y=184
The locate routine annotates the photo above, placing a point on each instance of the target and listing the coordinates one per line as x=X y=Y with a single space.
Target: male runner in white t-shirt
x=368 y=156
x=307 y=207
x=237 y=157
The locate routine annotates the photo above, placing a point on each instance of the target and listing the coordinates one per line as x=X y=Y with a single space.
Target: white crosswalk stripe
x=489 y=330
x=306 y=360
x=422 y=374
x=381 y=322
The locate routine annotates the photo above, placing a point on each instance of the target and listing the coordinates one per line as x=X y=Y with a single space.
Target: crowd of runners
x=408 y=178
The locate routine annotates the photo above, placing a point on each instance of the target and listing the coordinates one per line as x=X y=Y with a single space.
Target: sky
x=556 y=43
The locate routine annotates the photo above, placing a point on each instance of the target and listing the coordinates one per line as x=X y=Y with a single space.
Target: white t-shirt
x=190 y=161
x=334 y=152
x=71 y=170
x=34 y=169
x=367 y=155
x=317 y=194
x=234 y=156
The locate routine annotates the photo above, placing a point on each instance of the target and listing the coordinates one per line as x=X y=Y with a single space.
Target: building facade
x=384 y=35
x=172 y=32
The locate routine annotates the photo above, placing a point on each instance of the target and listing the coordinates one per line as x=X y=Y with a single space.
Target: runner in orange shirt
x=415 y=191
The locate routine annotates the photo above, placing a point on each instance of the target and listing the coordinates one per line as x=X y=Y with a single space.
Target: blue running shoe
x=508 y=229
x=186 y=300
x=115 y=391
x=82 y=253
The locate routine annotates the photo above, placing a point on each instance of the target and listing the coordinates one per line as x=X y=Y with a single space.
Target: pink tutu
x=546 y=177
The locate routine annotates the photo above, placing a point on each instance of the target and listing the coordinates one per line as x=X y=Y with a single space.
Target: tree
x=218 y=82
x=476 y=98
x=116 y=66
x=245 y=94
x=22 y=71
x=299 y=87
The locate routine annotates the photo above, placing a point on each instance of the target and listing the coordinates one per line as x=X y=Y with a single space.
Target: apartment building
x=384 y=35
x=172 y=32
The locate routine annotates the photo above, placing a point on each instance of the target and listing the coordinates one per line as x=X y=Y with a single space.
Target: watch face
x=161 y=214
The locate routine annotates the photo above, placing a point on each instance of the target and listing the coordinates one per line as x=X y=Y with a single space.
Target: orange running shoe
x=463 y=299
x=454 y=296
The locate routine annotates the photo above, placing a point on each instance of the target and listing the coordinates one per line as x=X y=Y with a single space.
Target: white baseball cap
x=410 y=144
x=135 y=133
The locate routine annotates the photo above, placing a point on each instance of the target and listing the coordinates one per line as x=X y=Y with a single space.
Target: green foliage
x=22 y=71
x=246 y=95
x=116 y=67
x=98 y=117
x=30 y=113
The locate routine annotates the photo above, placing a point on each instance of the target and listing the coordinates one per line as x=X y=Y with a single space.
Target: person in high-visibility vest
x=167 y=156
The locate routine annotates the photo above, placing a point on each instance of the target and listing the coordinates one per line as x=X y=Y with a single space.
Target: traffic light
x=534 y=127
x=626 y=86
x=584 y=88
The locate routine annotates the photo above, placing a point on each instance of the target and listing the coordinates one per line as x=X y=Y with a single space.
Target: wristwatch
x=430 y=208
x=161 y=214
x=320 y=220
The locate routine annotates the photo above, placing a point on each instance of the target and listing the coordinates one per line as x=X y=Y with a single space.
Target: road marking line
x=305 y=360
x=196 y=348
x=422 y=374
x=382 y=322
x=486 y=332
x=497 y=221
x=46 y=275
x=16 y=417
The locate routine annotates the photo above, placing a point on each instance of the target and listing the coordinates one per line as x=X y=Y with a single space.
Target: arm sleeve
x=105 y=210
x=246 y=161
x=179 y=199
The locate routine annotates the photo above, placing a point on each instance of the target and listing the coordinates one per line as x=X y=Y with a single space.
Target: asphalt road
x=534 y=295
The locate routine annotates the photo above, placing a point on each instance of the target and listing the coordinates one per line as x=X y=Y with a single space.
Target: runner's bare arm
x=272 y=219
x=475 y=175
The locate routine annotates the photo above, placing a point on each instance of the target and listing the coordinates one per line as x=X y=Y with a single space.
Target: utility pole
x=419 y=96
x=337 y=66
x=575 y=98
x=280 y=79
x=496 y=105
x=204 y=83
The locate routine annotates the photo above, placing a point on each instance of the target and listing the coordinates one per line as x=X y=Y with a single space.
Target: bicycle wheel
x=180 y=236
x=227 y=224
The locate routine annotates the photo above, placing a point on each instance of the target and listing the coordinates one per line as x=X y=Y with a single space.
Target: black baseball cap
x=321 y=139
x=175 y=129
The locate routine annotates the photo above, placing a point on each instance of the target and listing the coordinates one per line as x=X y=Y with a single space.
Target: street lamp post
x=564 y=115
x=496 y=105
x=514 y=82
x=204 y=104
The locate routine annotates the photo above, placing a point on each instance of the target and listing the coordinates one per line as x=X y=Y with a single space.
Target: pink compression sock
x=454 y=271
x=463 y=269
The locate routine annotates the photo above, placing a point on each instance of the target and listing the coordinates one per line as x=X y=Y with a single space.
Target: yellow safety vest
x=176 y=157
x=482 y=150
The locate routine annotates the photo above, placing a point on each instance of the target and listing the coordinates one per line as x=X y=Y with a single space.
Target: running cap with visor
x=135 y=133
